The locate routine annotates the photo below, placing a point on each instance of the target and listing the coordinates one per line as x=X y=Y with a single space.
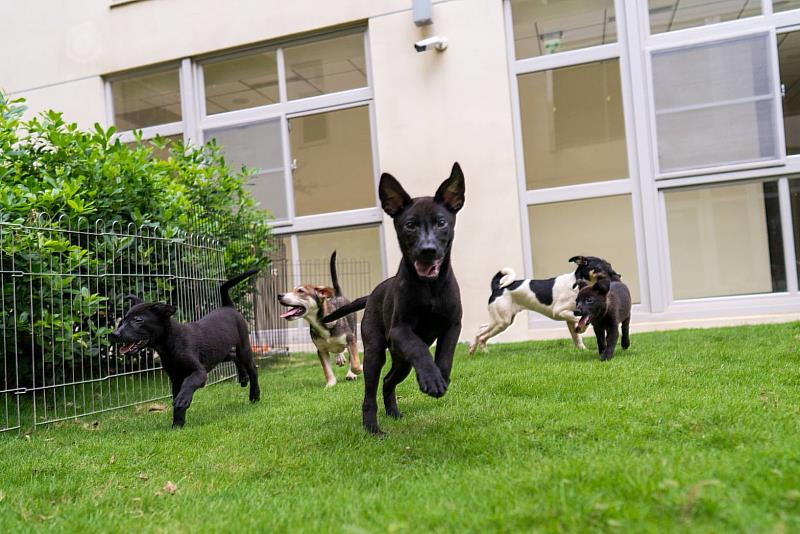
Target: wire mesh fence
x=63 y=287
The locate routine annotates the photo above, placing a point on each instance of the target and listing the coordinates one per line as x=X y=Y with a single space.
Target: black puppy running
x=605 y=304
x=419 y=305
x=189 y=351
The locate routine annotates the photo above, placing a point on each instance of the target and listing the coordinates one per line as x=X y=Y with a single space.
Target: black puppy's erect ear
x=578 y=260
x=394 y=198
x=133 y=298
x=163 y=309
x=451 y=192
x=602 y=285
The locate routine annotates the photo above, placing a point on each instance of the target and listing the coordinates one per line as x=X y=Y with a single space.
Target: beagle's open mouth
x=294 y=312
x=127 y=348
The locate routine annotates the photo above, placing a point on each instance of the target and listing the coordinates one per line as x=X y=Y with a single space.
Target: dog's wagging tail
x=357 y=305
x=223 y=290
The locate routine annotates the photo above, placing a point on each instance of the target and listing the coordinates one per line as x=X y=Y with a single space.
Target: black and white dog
x=554 y=298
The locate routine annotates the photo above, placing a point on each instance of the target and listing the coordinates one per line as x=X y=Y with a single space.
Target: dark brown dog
x=605 y=304
x=189 y=351
x=419 y=305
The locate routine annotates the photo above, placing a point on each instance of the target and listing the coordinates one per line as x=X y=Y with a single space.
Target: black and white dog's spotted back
x=554 y=298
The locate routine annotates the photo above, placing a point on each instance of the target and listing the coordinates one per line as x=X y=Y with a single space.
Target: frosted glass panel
x=553 y=241
x=542 y=28
x=725 y=241
x=714 y=104
x=259 y=147
x=269 y=190
x=671 y=15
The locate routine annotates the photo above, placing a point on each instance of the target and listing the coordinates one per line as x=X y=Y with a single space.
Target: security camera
x=439 y=43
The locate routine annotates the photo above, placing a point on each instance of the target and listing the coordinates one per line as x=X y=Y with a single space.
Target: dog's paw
x=392 y=411
x=432 y=384
x=255 y=396
x=330 y=384
x=178 y=424
x=351 y=376
x=182 y=401
x=340 y=361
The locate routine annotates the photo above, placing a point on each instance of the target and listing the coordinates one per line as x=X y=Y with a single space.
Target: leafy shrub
x=56 y=177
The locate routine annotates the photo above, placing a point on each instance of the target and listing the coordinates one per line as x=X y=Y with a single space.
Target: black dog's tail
x=337 y=291
x=226 y=299
x=359 y=304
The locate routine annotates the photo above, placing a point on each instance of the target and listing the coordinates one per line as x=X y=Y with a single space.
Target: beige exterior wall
x=434 y=108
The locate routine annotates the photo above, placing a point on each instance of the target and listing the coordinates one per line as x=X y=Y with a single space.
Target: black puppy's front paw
x=255 y=396
x=432 y=384
x=178 y=423
x=182 y=401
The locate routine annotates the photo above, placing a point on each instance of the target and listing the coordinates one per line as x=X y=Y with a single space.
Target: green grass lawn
x=687 y=430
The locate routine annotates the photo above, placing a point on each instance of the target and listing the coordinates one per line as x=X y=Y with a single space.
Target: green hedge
x=54 y=175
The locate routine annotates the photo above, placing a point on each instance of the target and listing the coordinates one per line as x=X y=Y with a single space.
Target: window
x=725 y=240
x=789 y=60
x=785 y=5
x=146 y=100
x=794 y=195
x=542 y=28
x=325 y=66
x=332 y=161
x=715 y=104
x=358 y=258
x=597 y=227
x=573 y=129
x=242 y=82
x=260 y=147
x=671 y=15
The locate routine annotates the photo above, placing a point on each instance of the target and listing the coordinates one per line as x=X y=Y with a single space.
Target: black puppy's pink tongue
x=584 y=321
x=427 y=270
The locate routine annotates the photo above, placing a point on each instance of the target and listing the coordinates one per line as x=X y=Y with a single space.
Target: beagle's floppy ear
x=578 y=260
x=394 y=198
x=324 y=292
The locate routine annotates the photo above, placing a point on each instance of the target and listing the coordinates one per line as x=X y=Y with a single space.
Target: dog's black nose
x=427 y=253
x=280 y=295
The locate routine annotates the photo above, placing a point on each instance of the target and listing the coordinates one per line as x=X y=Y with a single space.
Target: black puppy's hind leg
x=240 y=370
x=399 y=371
x=245 y=359
x=626 y=338
x=374 y=358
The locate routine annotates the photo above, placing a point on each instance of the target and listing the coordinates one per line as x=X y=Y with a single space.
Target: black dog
x=189 y=351
x=605 y=304
x=419 y=305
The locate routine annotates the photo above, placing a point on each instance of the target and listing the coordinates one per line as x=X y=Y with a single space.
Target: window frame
x=196 y=123
x=628 y=185
x=777 y=111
